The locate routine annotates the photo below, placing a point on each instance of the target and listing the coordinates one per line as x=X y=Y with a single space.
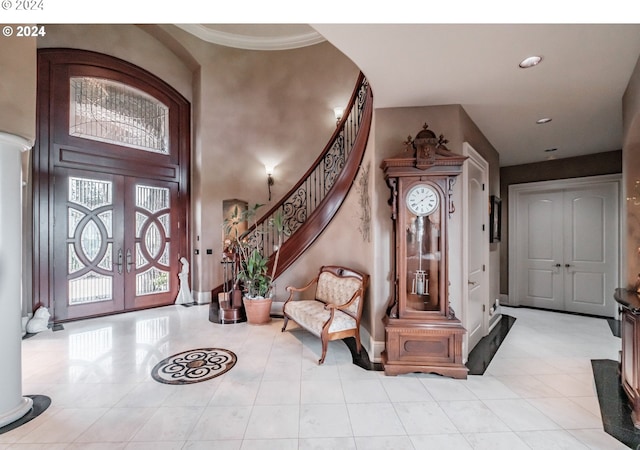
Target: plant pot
x=258 y=310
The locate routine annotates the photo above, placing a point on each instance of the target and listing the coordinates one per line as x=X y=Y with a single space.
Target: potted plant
x=252 y=265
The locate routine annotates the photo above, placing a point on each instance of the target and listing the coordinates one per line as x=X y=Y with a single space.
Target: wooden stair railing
x=313 y=202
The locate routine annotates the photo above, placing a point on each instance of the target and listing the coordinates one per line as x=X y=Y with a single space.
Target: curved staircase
x=314 y=200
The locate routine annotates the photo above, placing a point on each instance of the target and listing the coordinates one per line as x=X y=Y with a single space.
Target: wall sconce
x=269 y=170
x=338 y=111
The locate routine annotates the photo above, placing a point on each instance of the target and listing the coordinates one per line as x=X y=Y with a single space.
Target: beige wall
x=253 y=109
x=18 y=97
x=631 y=176
x=128 y=42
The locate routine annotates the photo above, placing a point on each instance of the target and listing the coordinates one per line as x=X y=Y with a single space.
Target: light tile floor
x=538 y=392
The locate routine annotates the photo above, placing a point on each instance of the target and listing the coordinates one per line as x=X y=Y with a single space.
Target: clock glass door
x=424 y=252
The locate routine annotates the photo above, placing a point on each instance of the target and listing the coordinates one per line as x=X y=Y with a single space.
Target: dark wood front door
x=110 y=186
x=115 y=243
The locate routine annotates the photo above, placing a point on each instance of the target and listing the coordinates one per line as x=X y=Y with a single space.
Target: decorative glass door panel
x=90 y=219
x=88 y=247
x=153 y=247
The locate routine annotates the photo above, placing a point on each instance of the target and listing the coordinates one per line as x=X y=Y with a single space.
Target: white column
x=12 y=404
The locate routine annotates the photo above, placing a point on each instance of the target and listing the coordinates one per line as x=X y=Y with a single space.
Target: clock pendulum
x=420 y=281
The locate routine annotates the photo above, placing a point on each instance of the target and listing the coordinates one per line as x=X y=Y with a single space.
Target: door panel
x=88 y=236
x=540 y=222
x=475 y=248
x=591 y=249
x=478 y=240
x=152 y=243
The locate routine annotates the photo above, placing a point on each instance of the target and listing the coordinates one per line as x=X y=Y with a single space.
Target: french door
x=110 y=185
x=114 y=243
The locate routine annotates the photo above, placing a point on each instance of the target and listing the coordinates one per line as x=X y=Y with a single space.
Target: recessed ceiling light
x=549 y=150
x=530 y=62
x=543 y=120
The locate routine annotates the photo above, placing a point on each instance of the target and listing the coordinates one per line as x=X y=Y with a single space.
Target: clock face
x=422 y=200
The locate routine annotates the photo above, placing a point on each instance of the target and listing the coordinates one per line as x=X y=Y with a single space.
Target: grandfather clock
x=422 y=331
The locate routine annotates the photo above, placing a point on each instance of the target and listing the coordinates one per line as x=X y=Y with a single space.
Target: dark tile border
x=361 y=360
x=482 y=354
x=614 y=406
x=615 y=326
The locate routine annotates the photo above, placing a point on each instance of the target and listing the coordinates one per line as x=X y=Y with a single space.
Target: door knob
x=558 y=265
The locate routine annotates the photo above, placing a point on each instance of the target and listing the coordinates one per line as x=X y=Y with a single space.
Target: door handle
x=129 y=260
x=567 y=265
x=119 y=261
x=558 y=265
x=472 y=283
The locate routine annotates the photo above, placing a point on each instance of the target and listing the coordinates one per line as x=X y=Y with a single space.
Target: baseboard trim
x=374 y=348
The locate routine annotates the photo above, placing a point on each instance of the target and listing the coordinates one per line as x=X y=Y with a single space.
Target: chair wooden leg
x=286 y=320
x=358 y=345
x=324 y=351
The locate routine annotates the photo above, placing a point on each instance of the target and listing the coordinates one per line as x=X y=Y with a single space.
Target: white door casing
x=475 y=299
x=564 y=241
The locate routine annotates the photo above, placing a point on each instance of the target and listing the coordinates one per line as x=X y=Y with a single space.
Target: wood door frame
x=515 y=190
x=468 y=150
x=48 y=153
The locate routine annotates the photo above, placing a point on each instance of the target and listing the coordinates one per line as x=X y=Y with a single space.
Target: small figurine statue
x=40 y=321
x=184 y=295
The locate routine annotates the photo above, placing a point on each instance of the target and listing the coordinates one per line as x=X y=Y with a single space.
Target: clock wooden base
x=433 y=346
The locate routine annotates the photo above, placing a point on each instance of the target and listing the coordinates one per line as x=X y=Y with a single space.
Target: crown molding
x=252 y=42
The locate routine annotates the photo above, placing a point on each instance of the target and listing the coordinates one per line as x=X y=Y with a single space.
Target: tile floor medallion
x=193 y=366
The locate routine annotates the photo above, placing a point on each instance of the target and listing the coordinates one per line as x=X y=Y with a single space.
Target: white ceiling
x=579 y=83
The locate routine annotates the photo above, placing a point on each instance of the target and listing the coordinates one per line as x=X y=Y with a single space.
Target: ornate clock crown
x=425 y=144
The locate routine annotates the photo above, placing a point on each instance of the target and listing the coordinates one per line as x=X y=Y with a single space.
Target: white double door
x=565 y=245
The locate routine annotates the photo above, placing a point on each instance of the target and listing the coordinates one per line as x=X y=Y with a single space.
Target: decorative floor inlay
x=194 y=366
